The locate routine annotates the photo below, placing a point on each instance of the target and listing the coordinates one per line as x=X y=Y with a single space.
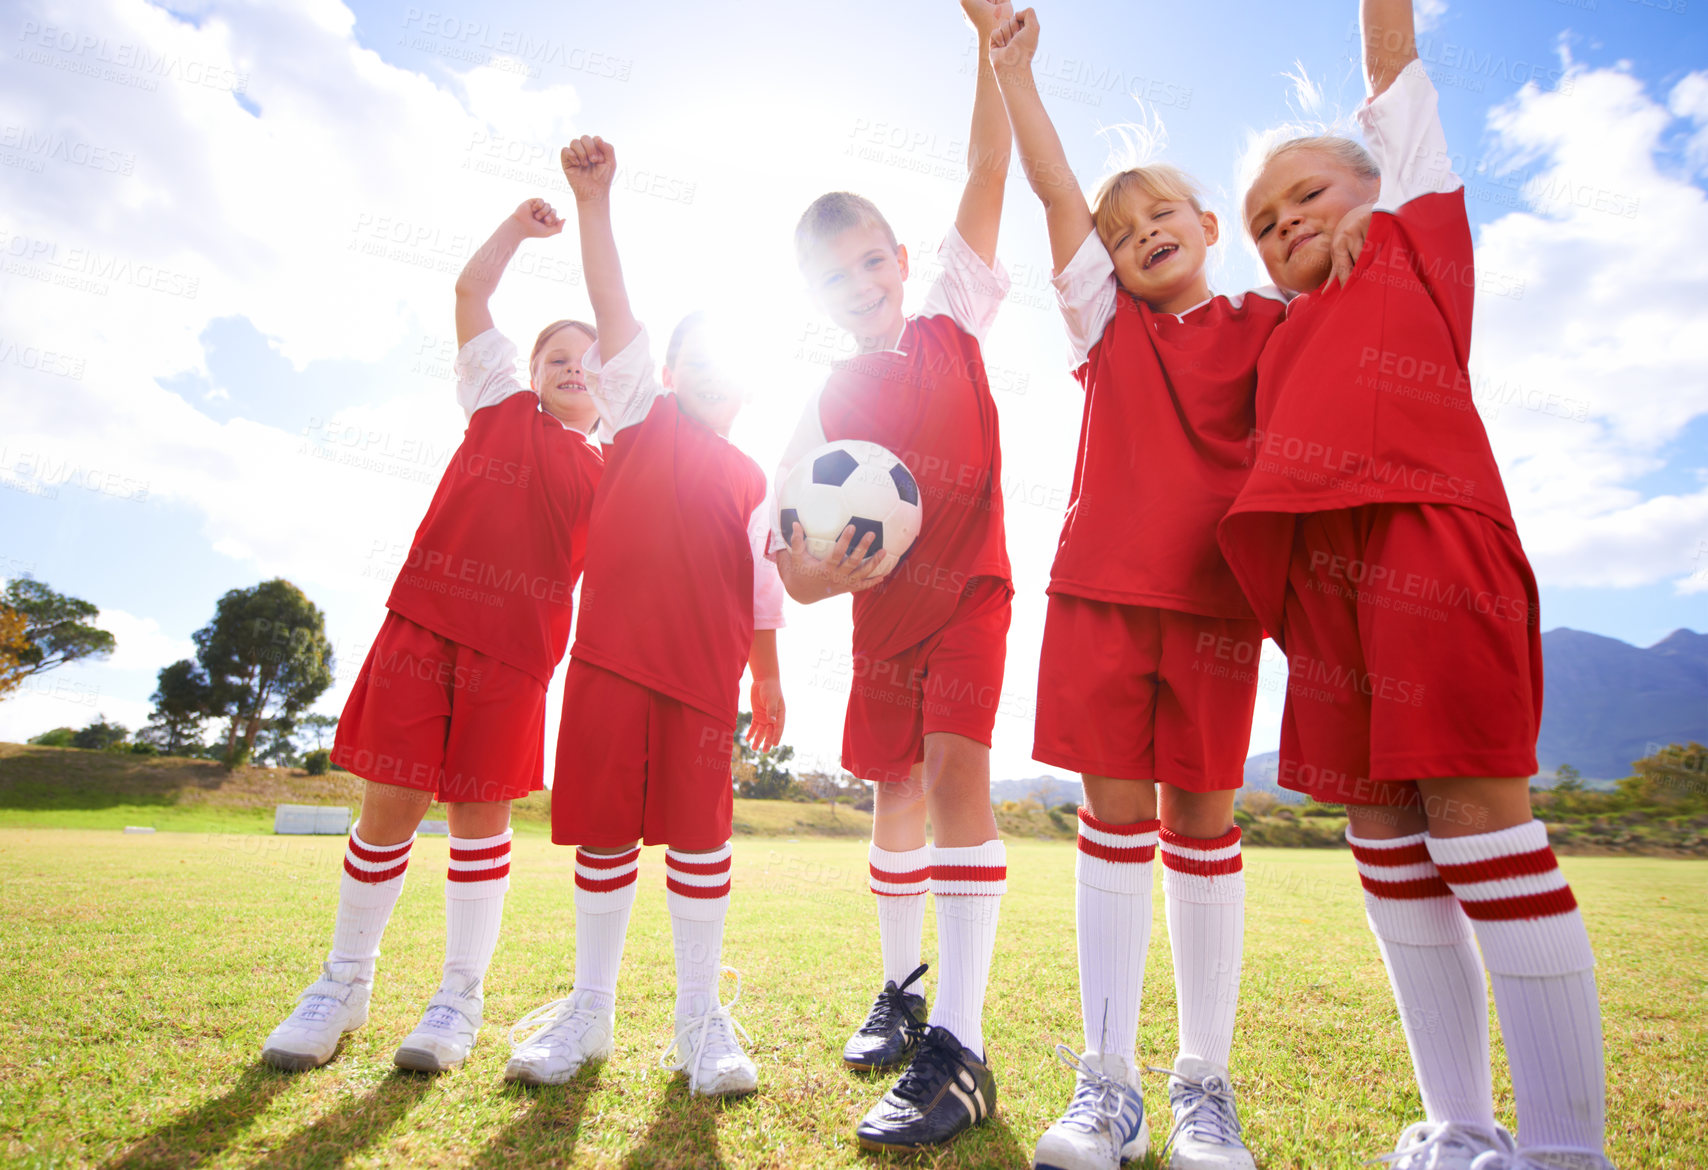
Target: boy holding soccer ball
x=929 y=636
x=650 y=697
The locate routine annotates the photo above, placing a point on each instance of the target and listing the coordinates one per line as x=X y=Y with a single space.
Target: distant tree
x=182 y=699
x=100 y=735
x=1677 y=774
x=276 y=743
x=321 y=727
x=266 y=657
x=318 y=762
x=59 y=629
x=14 y=645
x=1567 y=779
x=58 y=737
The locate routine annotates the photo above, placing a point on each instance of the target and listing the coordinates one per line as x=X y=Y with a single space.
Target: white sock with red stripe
x=1543 y=971
x=1203 y=891
x=697 y=886
x=1112 y=908
x=373 y=877
x=1431 y=955
x=967 y=886
x=475 y=883
x=604 y=896
x=900 y=880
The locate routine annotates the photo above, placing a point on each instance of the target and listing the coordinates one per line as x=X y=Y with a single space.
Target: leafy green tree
x=57 y=628
x=266 y=657
x=182 y=699
x=1567 y=779
x=100 y=735
x=321 y=727
x=760 y=775
x=58 y=737
x=13 y=646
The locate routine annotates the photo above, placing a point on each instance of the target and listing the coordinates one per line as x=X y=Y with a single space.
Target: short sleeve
x=1085 y=293
x=1402 y=127
x=488 y=372
x=808 y=436
x=968 y=291
x=767 y=585
x=623 y=388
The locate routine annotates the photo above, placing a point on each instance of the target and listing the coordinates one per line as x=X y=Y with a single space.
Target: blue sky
x=231 y=231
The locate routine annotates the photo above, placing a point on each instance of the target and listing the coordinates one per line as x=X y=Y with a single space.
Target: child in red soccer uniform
x=929 y=638
x=1375 y=541
x=451 y=701
x=1148 y=675
x=672 y=610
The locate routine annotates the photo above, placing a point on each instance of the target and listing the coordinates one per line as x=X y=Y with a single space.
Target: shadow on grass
x=198 y=1134
x=352 y=1127
x=548 y=1131
x=685 y=1132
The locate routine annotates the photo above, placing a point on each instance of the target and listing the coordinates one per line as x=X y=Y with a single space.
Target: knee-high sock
x=1431 y=956
x=697 y=886
x=367 y=892
x=475 y=884
x=604 y=897
x=967 y=885
x=1203 y=890
x=1543 y=971
x=900 y=879
x=1112 y=910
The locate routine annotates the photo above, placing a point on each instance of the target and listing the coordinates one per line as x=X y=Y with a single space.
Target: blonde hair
x=833 y=213
x=1263 y=150
x=552 y=330
x=1158 y=180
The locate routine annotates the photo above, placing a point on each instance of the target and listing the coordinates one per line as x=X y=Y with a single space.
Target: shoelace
x=1428 y=1140
x=1095 y=1092
x=933 y=1063
x=713 y=1033
x=891 y=1006
x=559 y=1015
x=1204 y=1108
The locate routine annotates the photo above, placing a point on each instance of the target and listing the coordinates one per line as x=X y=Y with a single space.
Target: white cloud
x=1597 y=362
x=1427 y=14
x=141 y=645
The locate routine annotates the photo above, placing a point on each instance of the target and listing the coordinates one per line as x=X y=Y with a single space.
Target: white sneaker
x=1445 y=1145
x=441 y=1041
x=1105 y=1121
x=708 y=1048
x=567 y=1035
x=1542 y=1158
x=1206 y=1133
x=332 y=1005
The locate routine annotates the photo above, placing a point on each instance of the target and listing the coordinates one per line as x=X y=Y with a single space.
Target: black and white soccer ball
x=853 y=482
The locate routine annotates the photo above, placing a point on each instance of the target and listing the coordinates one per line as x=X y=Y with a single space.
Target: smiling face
x=856 y=277
x=560 y=381
x=1159 y=246
x=701 y=381
x=1292 y=209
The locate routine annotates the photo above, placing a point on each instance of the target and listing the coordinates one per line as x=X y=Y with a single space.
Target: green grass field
x=142 y=972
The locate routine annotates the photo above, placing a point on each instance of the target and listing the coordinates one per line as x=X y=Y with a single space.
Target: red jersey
x=1164 y=441
x=929 y=403
x=1364 y=395
x=669 y=600
x=494 y=564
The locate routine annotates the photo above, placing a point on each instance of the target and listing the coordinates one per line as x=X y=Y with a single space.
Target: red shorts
x=1413 y=650
x=634 y=764
x=432 y=714
x=1140 y=693
x=951 y=681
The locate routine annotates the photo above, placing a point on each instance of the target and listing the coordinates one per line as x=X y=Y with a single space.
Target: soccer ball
x=851 y=482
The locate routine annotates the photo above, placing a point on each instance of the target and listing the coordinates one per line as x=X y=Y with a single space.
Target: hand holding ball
x=851 y=482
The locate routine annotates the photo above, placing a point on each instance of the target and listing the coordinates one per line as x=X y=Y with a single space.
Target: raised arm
x=989 y=143
x=1390 y=41
x=589 y=164
x=479 y=277
x=1066 y=212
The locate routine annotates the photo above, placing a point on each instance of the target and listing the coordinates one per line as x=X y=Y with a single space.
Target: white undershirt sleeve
x=968 y=291
x=488 y=371
x=767 y=585
x=1402 y=127
x=623 y=388
x=1085 y=293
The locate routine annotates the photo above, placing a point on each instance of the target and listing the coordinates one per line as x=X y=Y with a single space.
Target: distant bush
x=317 y=762
x=140 y=749
x=58 y=737
x=100 y=735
